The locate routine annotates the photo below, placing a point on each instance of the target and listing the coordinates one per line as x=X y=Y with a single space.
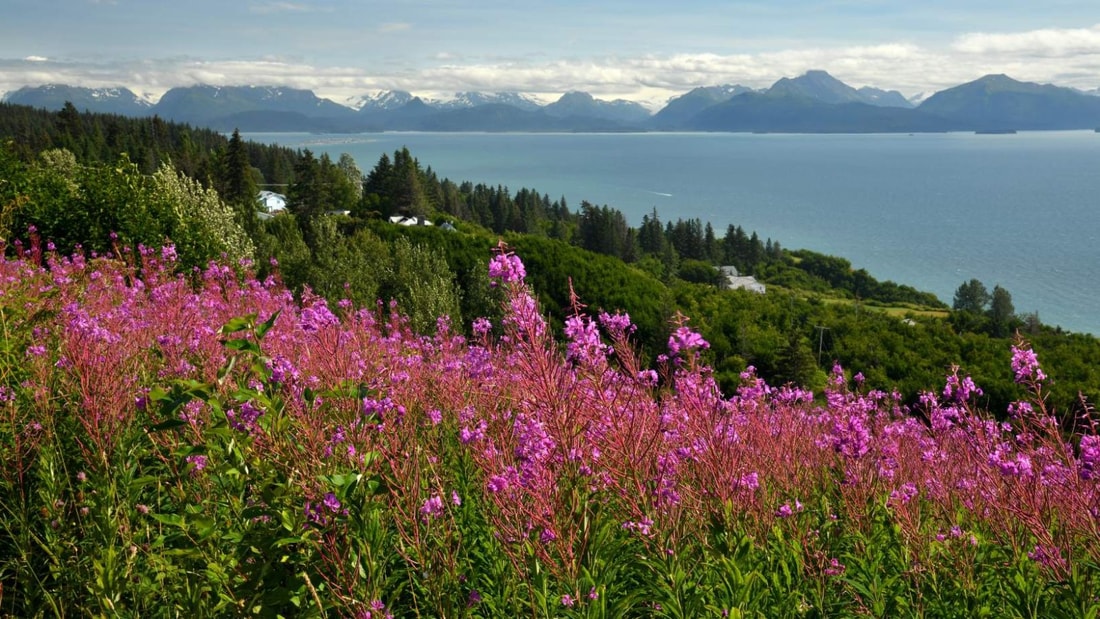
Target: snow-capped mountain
x=463 y=100
x=388 y=100
x=381 y=100
x=919 y=98
x=883 y=98
x=106 y=100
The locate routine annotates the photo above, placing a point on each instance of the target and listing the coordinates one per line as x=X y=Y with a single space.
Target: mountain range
x=814 y=102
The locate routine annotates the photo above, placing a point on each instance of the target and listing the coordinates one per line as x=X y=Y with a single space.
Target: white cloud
x=264 y=8
x=1044 y=43
x=36 y=59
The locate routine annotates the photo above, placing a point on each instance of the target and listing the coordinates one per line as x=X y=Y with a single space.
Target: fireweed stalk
x=215 y=441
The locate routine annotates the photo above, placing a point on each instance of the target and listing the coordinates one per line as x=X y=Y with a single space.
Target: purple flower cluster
x=507 y=267
x=197 y=462
x=1025 y=363
x=850 y=435
x=431 y=508
x=1089 y=459
x=617 y=324
x=534 y=446
x=382 y=410
x=685 y=340
x=1047 y=556
x=282 y=370
x=584 y=346
x=1010 y=465
x=244 y=418
x=482 y=327
x=642 y=527
x=319 y=513
x=960 y=390
x=316 y=317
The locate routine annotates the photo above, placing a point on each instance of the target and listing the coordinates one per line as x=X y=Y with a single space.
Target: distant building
x=734 y=281
x=271 y=202
x=401 y=220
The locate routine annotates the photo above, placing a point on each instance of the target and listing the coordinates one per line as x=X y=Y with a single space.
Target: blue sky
x=641 y=50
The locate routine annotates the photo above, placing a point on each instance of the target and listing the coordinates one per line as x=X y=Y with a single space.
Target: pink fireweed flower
x=850 y=436
x=497 y=484
x=316 y=317
x=507 y=267
x=533 y=443
x=750 y=482
x=282 y=370
x=1025 y=363
x=584 y=344
x=1047 y=556
x=567 y=600
x=192 y=412
x=524 y=316
x=835 y=568
x=432 y=508
x=380 y=410
x=1089 y=459
x=617 y=324
x=482 y=327
x=959 y=390
x=1020 y=410
x=244 y=418
x=197 y=462
x=641 y=527
x=684 y=339
x=904 y=494
x=467 y=435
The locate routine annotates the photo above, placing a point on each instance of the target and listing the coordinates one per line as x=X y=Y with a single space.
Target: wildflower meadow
x=204 y=444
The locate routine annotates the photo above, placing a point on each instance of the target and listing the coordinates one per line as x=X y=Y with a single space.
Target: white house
x=271 y=202
x=735 y=281
x=408 y=221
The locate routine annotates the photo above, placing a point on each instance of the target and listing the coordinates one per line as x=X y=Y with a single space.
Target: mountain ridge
x=812 y=102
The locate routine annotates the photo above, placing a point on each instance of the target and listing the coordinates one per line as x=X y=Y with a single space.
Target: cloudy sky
x=642 y=50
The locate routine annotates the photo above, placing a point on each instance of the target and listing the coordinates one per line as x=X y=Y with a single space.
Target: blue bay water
x=927 y=210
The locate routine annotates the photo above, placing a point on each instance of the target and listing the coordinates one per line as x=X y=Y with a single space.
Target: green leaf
x=238 y=324
x=265 y=326
x=242 y=344
x=173 y=520
x=141 y=482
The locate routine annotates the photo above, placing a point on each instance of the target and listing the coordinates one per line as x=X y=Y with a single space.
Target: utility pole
x=821 y=340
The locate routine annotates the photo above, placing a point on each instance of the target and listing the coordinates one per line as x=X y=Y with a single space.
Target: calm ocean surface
x=928 y=210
